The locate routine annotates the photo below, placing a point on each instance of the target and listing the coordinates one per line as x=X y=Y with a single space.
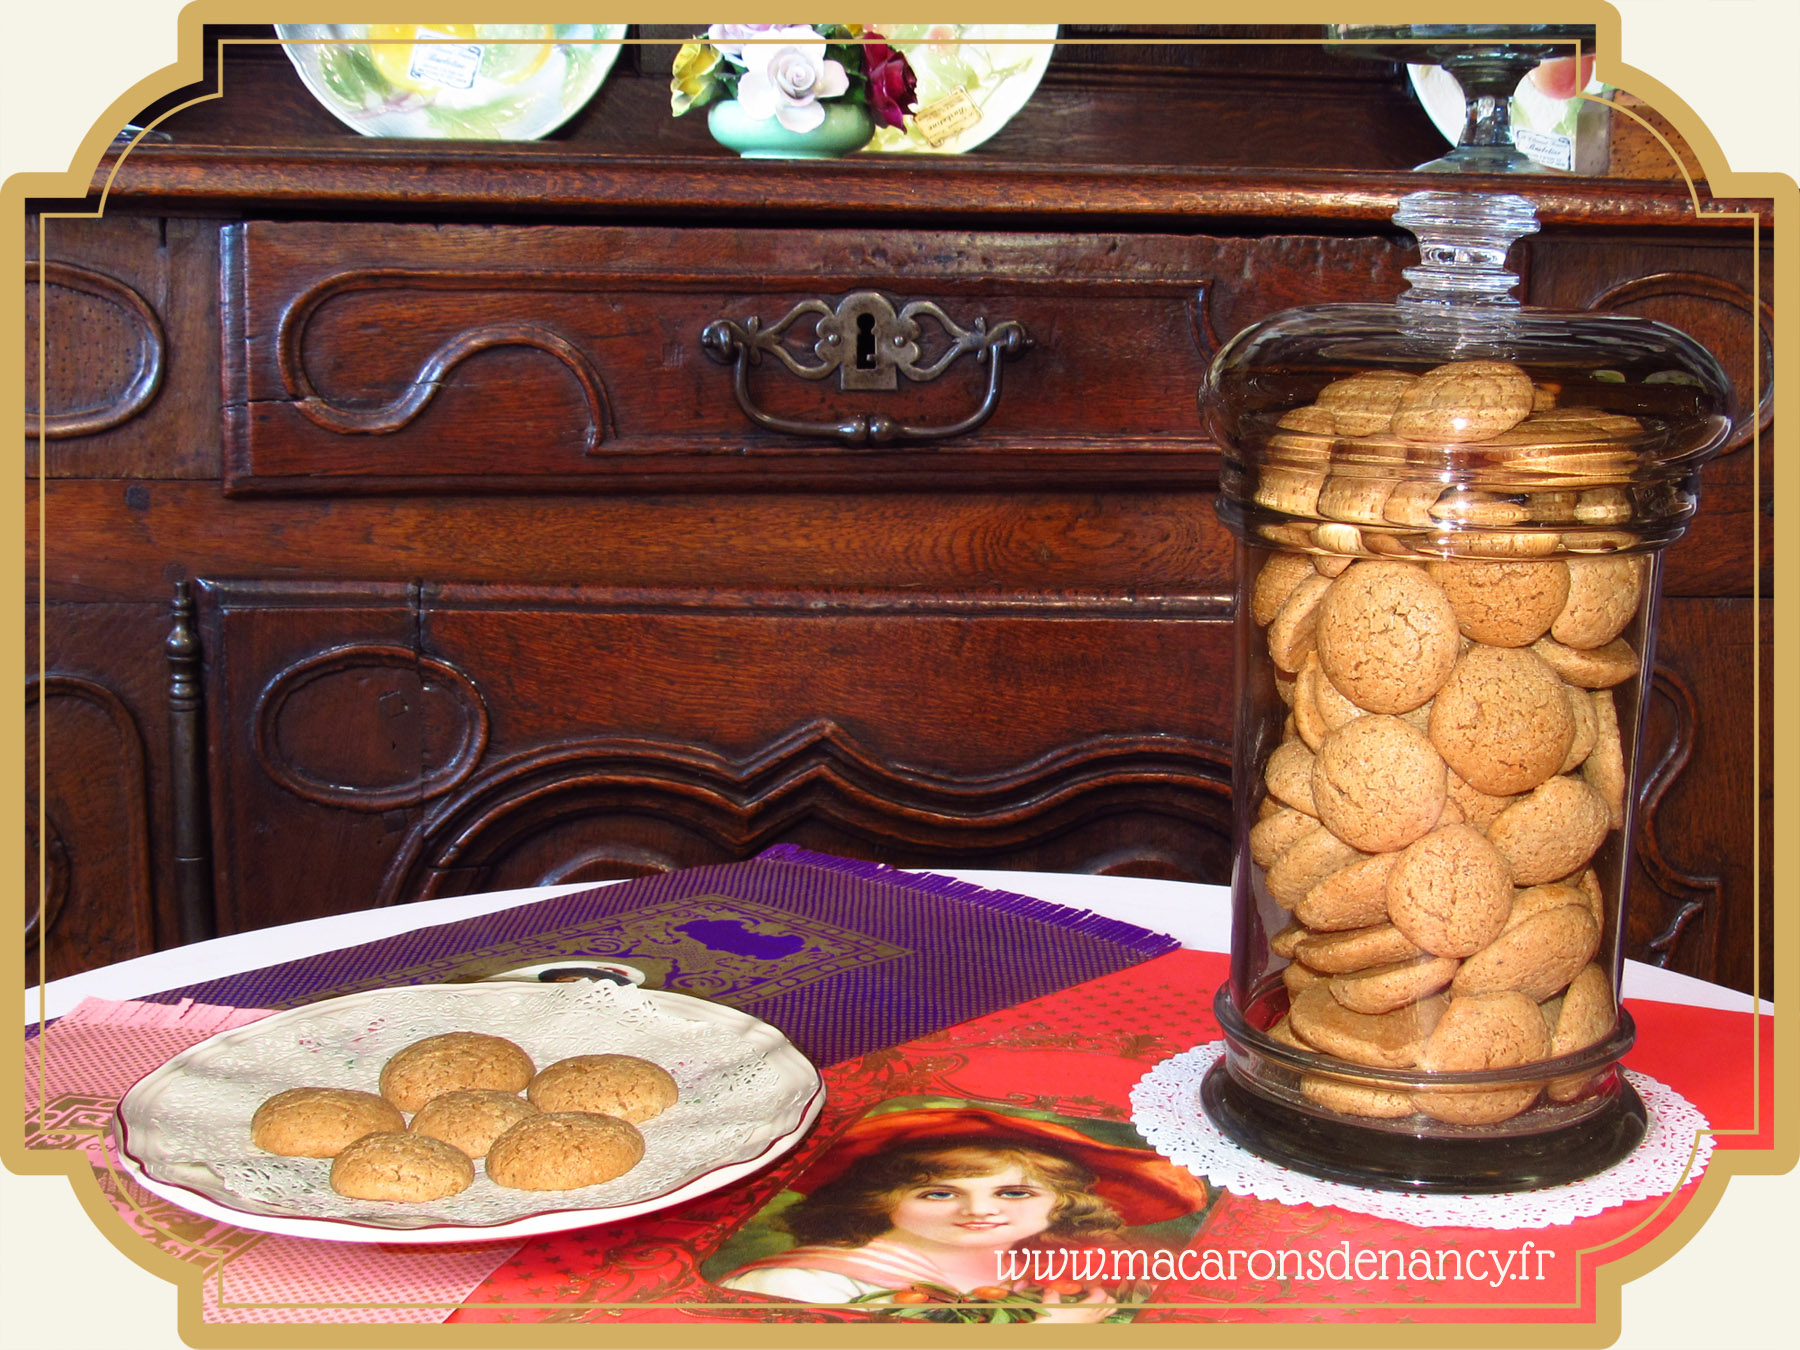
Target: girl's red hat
x=1140 y=1185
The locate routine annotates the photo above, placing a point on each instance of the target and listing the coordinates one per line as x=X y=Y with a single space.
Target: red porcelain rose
x=893 y=88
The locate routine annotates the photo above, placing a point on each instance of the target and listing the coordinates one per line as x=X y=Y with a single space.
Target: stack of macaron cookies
x=1450 y=765
x=471 y=1097
x=1359 y=471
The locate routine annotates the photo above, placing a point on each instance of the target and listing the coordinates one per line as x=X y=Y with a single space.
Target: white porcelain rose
x=785 y=76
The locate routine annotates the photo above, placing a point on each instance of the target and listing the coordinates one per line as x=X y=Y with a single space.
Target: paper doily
x=1166 y=1110
x=743 y=1088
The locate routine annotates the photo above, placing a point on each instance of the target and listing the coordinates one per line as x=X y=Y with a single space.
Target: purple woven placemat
x=843 y=956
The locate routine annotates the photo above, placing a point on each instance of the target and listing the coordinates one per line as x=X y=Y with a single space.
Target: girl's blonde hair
x=857 y=1207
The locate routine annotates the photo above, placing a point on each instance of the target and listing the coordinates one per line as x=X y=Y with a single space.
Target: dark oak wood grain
x=495 y=583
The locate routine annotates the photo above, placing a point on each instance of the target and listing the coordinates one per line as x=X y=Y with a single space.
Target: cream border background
x=62 y=1284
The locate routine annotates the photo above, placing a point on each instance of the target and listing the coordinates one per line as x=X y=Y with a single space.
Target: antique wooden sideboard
x=404 y=533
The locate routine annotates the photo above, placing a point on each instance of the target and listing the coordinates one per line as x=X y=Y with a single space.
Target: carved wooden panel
x=1718 y=292
x=576 y=735
x=87 y=882
x=365 y=356
x=1698 y=890
x=101 y=345
x=1685 y=297
x=369 y=726
x=606 y=807
x=128 y=328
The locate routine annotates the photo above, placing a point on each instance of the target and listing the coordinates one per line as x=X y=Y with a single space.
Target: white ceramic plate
x=998 y=65
x=747 y=1097
x=502 y=83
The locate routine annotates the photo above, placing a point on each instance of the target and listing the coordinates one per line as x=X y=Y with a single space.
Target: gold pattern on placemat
x=68 y=1122
x=172 y=1229
x=716 y=947
x=81 y=1122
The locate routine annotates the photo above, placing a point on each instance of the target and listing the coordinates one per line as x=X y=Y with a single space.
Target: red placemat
x=1077 y=1054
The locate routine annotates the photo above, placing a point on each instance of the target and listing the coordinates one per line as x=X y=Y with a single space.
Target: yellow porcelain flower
x=692 y=83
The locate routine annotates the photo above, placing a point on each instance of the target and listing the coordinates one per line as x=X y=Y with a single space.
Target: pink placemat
x=75 y=1073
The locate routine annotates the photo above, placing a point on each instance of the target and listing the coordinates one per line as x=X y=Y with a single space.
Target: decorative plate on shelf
x=486 y=81
x=972 y=78
x=747 y=1097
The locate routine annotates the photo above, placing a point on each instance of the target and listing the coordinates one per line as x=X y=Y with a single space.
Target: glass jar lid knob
x=1464 y=238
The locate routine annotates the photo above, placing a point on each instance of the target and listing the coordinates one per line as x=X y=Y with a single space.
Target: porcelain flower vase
x=847 y=127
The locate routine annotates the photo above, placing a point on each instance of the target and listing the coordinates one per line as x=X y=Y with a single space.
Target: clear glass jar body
x=1449 y=527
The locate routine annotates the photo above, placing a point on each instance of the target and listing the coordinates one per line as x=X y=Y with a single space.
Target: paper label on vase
x=1557 y=152
x=449 y=66
x=943 y=120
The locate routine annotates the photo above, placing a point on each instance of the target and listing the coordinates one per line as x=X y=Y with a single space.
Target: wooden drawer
x=378 y=357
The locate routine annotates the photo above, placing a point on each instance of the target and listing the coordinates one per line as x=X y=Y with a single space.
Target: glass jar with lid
x=1449 y=513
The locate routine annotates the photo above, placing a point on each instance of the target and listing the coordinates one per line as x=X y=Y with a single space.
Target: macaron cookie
x=1305 y=435
x=452 y=1062
x=1603 y=598
x=1382 y=989
x=1463 y=401
x=1275 y=582
x=471 y=1120
x=1292 y=631
x=1351 y=897
x=1532 y=900
x=1355 y=1099
x=401 y=1167
x=1293 y=492
x=1504 y=604
x=1334 y=706
x=1365 y=402
x=1385 y=1040
x=1386 y=635
x=1355 y=949
x=1309 y=726
x=1604 y=767
x=1502 y=720
x=1585 y=1016
x=1483 y=1031
x=1288 y=939
x=1289 y=775
x=1311 y=858
x=1552 y=831
x=564 y=1150
x=1377 y=783
x=627 y=1086
x=1536 y=956
x=1275 y=834
x=1354 y=499
x=1450 y=892
x=1587 y=729
x=320 y=1122
x=1589 y=668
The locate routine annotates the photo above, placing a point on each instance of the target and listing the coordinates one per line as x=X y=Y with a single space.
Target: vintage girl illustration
x=936 y=1203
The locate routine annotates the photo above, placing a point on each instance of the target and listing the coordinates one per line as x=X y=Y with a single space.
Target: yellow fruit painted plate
x=452 y=81
x=972 y=78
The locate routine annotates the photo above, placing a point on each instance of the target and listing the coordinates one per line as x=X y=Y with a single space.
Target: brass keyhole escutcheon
x=870 y=345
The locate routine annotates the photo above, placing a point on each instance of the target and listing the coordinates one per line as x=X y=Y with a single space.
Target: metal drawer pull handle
x=869 y=344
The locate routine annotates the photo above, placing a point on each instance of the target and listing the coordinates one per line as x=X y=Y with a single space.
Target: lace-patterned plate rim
x=730 y=1034
x=1676 y=1148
